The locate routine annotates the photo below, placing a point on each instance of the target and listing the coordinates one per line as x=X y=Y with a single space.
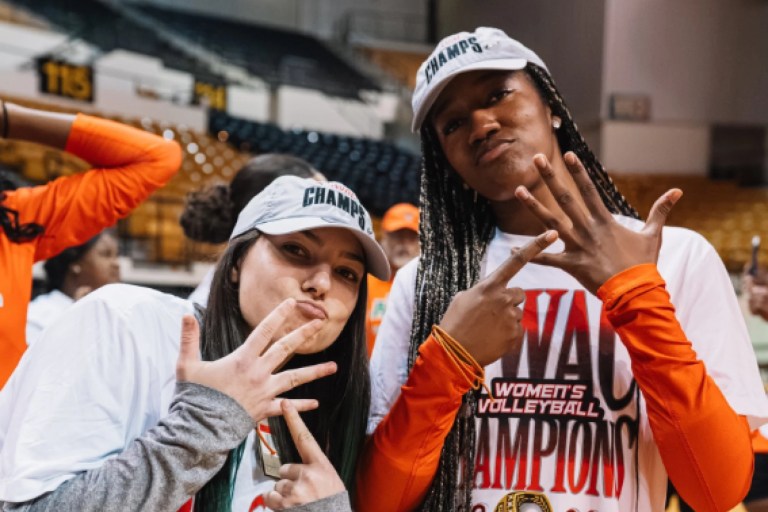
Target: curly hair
x=211 y=213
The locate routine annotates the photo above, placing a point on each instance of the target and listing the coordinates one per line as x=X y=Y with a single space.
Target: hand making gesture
x=597 y=247
x=249 y=374
x=314 y=479
x=485 y=319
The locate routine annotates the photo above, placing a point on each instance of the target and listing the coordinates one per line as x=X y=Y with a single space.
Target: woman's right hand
x=485 y=319
x=248 y=375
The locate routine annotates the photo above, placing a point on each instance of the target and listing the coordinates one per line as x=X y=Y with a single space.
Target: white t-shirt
x=200 y=294
x=43 y=311
x=581 y=452
x=100 y=376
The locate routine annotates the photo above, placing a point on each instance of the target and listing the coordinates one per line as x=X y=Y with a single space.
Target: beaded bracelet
x=458 y=353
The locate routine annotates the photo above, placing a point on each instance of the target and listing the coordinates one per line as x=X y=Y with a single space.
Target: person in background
x=400 y=240
x=211 y=212
x=37 y=223
x=71 y=275
x=756 y=288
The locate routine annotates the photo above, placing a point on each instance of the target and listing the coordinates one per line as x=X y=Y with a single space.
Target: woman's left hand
x=596 y=246
x=313 y=479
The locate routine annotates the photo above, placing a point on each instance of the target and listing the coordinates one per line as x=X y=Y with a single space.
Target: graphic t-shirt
x=99 y=377
x=569 y=421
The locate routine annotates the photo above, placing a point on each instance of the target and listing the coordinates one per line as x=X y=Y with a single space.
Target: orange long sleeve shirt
x=704 y=444
x=129 y=164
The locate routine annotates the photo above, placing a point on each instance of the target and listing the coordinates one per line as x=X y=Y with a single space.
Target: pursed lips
x=490 y=149
x=312 y=310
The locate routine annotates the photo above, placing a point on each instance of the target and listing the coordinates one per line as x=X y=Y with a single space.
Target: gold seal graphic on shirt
x=523 y=501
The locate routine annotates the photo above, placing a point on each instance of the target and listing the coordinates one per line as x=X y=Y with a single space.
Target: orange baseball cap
x=401 y=216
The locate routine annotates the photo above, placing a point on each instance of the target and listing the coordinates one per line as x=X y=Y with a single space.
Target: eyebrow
x=440 y=106
x=319 y=241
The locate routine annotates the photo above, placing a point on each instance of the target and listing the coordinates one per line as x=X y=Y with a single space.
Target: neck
x=69 y=287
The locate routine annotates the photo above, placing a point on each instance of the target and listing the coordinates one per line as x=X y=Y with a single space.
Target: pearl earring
x=556 y=122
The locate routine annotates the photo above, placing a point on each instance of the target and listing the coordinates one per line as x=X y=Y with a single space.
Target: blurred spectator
x=71 y=275
x=211 y=213
x=37 y=223
x=400 y=240
x=756 y=289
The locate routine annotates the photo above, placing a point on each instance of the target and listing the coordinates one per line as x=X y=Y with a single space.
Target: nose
x=317 y=281
x=483 y=124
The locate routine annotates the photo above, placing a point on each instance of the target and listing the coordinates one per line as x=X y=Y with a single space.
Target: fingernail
x=551 y=235
x=522 y=192
x=540 y=160
x=570 y=158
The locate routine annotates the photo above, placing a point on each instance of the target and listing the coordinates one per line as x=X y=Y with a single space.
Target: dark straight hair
x=455 y=229
x=338 y=424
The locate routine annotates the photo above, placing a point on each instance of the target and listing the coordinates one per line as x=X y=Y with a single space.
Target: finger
x=587 y=188
x=305 y=442
x=189 y=348
x=263 y=334
x=283 y=349
x=301 y=404
x=543 y=213
x=290 y=471
x=660 y=210
x=290 y=379
x=560 y=190
x=520 y=257
x=557 y=260
x=284 y=487
x=274 y=501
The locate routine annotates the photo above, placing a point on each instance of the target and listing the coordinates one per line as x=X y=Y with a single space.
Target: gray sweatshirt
x=163 y=468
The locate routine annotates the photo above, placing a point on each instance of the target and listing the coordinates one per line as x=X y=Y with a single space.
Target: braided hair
x=456 y=227
x=9 y=218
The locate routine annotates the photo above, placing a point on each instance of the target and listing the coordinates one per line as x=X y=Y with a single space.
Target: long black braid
x=9 y=218
x=456 y=227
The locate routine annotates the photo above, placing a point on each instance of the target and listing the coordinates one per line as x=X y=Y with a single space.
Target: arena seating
x=277 y=56
x=380 y=173
x=107 y=28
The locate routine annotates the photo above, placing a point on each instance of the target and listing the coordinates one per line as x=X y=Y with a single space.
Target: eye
x=295 y=250
x=497 y=96
x=451 y=126
x=348 y=274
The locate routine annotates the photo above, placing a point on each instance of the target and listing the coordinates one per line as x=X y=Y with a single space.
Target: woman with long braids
x=37 y=223
x=613 y=361
x=89 y=421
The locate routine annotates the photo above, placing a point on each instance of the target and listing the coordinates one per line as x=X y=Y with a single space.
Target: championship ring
x=522 y=501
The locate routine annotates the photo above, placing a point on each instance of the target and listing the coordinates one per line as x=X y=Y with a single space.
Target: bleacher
x=724 y=213
x=107 y=28
x=380 y=173
x=278 y=57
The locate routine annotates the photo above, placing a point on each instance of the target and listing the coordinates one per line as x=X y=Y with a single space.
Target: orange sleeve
x=129 y=164
x=400 y=459
x=704 y=444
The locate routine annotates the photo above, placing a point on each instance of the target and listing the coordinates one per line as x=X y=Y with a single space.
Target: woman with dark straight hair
x=284 y=325
x=614 y=361
x=211 y=212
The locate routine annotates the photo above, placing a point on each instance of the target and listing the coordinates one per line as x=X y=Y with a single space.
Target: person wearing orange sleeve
x=400 y=240
x=39 y=222
x=633 y=365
